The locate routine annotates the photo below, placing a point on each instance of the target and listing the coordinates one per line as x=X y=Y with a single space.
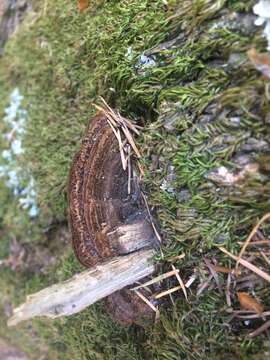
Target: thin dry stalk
x=119 y=118
x=225 y=270
x=253 y=316
x=257 y=242
x=227 y=291
x=157 y=279
x=140 y=169
x=180 y=282
x=101 y=109
x=253 y=232
x=265 y=258
x=260 y=330
x=146 y=301
x=175 y=258
x=120 y=143
x=204 y=285
x=131 y=141
x=214 y=273
x=251 y=277
x=129 y=169
x=190 y=280
x=236 y=312
x=247 y=264
x=167 y=292
x=171 y=298
x=120 y=124
x=150 y=216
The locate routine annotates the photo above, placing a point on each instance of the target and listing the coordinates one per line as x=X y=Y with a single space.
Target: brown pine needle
x=120 y=143
x=150 y=216
x=157 y=279
x=258 y=242
x=99 y=108
x=129 y=169
x=265 y=258
x=225 y=270
x=247 y=264
x=146 y=301
x=204 y=285
x=260 y=330
x=117 y=123
x=140 y=169
x=190 y=280
x=175 y=258
x=167 y=292
x=180 y=282
x=131 y=141
x=227 y=290
x=120 y=119
x=249 y=238
x=214 y=273
x=253 y=315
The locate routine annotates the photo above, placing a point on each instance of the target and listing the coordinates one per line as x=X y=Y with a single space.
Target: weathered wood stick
x=132 y=237
x=86 y=288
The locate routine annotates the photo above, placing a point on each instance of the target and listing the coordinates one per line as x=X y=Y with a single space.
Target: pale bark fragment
x=86 y=288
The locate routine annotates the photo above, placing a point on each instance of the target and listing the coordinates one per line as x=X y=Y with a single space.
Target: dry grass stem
x=150 y=216
x=265 y=258
x=260 y=330
x=227 y=291
x=180 y=282
x=204 y=285
x=249 y=238
x=146 y=301
x=191 y=280
x=214 y=273
x=225 y=270
x=120 y=125
x=167 y=292
x=157 y=279
x=175 y=258
x=253 y=315
x=247 y=264
x=131 y=141
x=129 y=169
x=258 y=242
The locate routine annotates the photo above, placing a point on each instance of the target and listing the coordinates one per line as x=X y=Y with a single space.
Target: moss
x=63 y=61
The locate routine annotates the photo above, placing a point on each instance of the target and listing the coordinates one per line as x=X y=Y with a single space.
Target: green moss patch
x=181 y=70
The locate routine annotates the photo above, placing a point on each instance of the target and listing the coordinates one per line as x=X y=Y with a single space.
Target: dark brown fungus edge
x=99 y=207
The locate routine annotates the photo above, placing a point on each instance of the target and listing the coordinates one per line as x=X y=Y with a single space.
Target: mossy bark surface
x=181 y=71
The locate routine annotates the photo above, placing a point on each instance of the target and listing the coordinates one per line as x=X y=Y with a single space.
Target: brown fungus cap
x=99 y=204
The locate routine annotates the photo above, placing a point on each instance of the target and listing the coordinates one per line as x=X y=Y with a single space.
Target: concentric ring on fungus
x=101 y=211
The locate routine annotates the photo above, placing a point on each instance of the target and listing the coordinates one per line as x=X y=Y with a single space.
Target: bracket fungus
x=106 y=219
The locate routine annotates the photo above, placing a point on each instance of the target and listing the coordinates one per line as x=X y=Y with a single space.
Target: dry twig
x=180 y=282
x=249 y=238
x=260 y=330
x=167 y=292
x=150 y=216
x=157 y=279
x=191 y=280
x=265 y=258
x=227 y=291
x=146 y=301
x=213 y=272
x=247 y=264
x=204 y=285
